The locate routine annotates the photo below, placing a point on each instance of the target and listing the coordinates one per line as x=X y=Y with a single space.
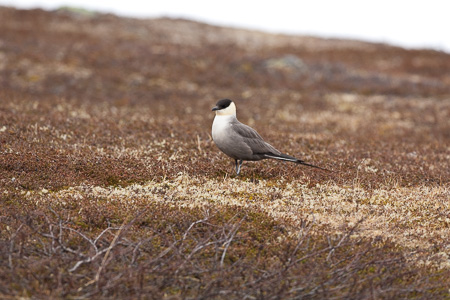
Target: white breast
x=220 y=128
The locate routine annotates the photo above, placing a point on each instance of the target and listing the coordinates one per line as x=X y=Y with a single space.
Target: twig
x=230 y=239
x=108 y=250
x=11 y=246
x=345 y=237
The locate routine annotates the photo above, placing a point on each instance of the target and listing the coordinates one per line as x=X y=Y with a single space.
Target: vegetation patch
x=111 y=186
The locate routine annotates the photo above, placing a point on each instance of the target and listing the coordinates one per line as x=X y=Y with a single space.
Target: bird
x=240 y=141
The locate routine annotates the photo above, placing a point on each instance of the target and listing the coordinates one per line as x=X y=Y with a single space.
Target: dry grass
x=110 y=185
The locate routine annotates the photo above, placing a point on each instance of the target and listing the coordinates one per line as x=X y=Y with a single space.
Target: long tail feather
x=294 y=160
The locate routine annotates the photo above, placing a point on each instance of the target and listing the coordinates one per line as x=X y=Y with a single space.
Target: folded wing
x=253 y=140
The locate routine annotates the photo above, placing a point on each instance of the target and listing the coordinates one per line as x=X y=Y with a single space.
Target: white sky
x=411 y=24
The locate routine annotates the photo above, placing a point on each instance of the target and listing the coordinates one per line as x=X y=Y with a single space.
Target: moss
x=113 y=181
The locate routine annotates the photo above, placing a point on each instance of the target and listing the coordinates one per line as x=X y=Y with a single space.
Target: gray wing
x=253 y=140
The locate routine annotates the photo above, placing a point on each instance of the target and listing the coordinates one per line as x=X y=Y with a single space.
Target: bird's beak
x=215 y=108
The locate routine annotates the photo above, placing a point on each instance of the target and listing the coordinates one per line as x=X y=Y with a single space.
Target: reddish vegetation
x=101 y=101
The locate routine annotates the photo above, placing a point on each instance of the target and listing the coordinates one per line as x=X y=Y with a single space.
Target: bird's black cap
x=221 y=104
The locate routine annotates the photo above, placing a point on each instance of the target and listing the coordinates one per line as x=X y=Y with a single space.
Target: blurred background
x=410 y=24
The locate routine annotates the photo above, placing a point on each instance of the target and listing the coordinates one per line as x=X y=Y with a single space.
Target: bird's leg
x=238 y=166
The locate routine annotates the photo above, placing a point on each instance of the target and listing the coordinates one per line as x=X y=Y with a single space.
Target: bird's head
x=225 y=107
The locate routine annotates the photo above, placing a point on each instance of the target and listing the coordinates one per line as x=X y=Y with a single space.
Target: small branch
x=113 y=243
x=230 y=239
x=11 y=246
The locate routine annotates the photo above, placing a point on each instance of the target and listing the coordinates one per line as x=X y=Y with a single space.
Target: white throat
x=230 y=110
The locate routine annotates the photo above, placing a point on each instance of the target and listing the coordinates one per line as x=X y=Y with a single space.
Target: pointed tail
x=286 y=157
